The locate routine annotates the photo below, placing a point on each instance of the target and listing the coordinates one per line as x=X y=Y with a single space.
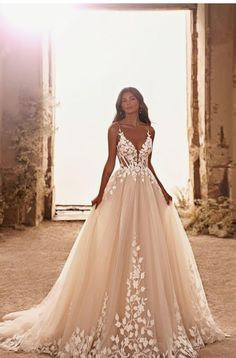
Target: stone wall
x=21 y=79
x=216 y=96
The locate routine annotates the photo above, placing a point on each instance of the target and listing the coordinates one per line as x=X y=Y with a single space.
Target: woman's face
x=129 y=103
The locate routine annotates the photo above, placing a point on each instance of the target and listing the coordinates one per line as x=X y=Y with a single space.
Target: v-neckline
x=128 y=140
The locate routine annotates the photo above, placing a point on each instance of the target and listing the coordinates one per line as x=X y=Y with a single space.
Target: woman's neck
x=132 y=120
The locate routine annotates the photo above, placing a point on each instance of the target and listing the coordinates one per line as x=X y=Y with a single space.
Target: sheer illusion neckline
x=128 y=140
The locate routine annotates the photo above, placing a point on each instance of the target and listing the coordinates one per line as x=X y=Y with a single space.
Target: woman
x=130 y=286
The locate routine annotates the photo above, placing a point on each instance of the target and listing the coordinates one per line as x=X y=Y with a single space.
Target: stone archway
x=211 y=113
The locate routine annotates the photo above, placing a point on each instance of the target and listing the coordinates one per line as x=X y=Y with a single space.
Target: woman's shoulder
x=114 y=125
x=113 y=128
x=151 y=130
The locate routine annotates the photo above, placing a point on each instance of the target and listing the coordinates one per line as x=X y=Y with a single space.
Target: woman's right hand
x=96 y=201
x=167 y=197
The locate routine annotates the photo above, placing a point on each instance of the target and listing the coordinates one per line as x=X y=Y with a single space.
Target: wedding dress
x=130 y=286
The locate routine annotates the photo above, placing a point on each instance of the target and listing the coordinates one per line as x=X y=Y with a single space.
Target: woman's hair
x=143 y=110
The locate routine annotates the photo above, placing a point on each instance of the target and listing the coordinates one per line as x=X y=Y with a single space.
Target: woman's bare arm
x=152 y=132
x=110 y=163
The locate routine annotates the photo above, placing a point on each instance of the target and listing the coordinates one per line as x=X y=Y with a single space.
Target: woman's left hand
x=167 y=197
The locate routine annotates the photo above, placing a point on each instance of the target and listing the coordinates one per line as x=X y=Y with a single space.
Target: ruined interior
x=27 y=112
x=32 y=256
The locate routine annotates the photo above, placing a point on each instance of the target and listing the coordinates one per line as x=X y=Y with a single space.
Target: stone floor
x=31 y=259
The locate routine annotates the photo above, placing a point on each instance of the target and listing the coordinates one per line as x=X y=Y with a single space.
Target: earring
x=140 y=110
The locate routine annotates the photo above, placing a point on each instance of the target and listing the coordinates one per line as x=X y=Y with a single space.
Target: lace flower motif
x=135 y=336
x=134 y=330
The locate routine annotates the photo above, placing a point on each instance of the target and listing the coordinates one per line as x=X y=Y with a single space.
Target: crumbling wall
x=21 y=86
x=216 y=95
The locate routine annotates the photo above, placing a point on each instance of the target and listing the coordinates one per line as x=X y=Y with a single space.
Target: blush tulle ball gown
x=130 y=286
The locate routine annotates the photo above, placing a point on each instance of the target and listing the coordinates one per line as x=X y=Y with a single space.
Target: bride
x=130 y=286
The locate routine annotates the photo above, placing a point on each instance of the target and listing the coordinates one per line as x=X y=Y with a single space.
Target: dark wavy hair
x=143 y=110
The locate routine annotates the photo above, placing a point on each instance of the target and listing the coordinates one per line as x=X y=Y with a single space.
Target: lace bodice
x=133 y=162
x=131 y=157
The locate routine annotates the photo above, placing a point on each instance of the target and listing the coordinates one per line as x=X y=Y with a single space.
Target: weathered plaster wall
x=221 y=22
x=216 y=95
x=232 y=164
x=192 y=105
x=20 y=74
x=202 y=94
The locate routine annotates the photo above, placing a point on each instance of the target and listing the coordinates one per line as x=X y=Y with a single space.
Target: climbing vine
x=32 y=126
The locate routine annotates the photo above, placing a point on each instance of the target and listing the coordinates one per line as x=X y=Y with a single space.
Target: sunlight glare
x=100 y=53
x=38 y=16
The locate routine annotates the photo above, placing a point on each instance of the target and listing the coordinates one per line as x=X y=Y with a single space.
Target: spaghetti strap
x=119 y=127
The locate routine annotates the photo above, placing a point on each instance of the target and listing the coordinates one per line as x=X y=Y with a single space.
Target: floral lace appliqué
x=129 y=157
x=134 y=331
x=135 y=335
x=133 y=162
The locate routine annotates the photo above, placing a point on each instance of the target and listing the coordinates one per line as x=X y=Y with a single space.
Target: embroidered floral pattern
x=135 y=335
x=133 y=162
x=82 y=345
x=134 y=330
x=180 y=343
x=130 y=157
x=207 y=326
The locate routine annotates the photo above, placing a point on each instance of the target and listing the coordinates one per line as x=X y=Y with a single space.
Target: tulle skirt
x=130 y=286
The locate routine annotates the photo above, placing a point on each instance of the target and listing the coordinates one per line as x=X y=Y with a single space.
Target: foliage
x=182 y=197
x=208 y=216
x=32 y=126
